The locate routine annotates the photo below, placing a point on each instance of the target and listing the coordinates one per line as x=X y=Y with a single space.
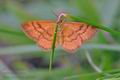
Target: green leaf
x=33 y=48
x=106 y=75
x=12 y=34
x=10 y=31
x=97 y=25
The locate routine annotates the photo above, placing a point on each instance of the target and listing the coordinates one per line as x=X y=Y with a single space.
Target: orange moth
x=70 y=35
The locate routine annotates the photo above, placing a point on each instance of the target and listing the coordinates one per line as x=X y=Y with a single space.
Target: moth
x=70 y=35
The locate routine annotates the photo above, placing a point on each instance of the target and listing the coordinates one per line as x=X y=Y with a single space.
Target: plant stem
x=53 y=49
x=97 y=69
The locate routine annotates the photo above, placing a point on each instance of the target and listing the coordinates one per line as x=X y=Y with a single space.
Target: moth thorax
x=61 y=18
x=59 y=28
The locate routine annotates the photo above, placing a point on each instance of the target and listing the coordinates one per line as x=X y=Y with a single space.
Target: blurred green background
x=21 y=59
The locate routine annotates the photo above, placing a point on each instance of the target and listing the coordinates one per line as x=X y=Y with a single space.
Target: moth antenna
x=55 y=13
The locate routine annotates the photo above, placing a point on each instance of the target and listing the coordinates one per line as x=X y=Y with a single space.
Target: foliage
x=104 y=48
